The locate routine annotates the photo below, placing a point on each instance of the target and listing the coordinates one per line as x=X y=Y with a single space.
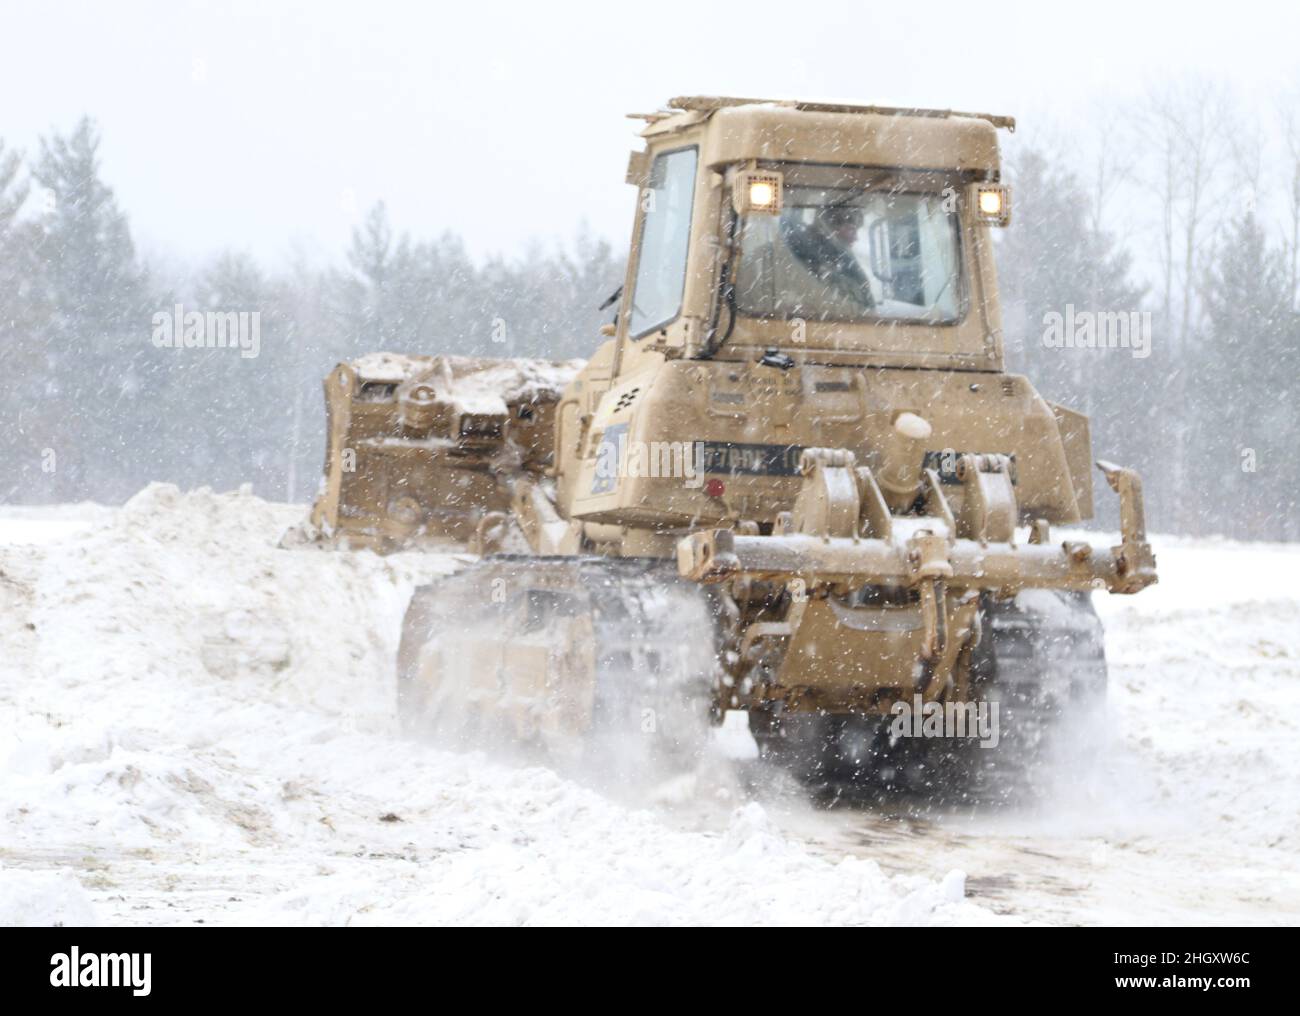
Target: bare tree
x=1185 y=125
x=1290 y=132
x=1113 y=160
x=1188 y=124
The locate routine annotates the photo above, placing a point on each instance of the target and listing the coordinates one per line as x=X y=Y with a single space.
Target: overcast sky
x=264 y=125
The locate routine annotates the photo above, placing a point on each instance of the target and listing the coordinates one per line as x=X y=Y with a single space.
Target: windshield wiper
x=613 y=298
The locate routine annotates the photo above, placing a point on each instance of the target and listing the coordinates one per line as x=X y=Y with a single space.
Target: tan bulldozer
x=794 y=480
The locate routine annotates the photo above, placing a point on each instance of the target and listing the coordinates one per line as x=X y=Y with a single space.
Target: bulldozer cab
x=835 y=234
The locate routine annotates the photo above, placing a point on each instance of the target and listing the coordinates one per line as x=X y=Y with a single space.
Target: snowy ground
x=197 y=727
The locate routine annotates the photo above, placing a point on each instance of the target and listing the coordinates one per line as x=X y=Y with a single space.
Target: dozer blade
x=572 y=658
x=421 y=449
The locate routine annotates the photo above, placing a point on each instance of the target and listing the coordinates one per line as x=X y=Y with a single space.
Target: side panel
x=573 y=416
x=1076 y=437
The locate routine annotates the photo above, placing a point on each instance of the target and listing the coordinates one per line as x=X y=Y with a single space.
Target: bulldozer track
x=570 y=655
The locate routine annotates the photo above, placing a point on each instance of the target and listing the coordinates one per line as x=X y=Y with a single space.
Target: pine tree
x=380 y=298
x=18 y=276
x=21 y=308
x=1245 y=367
x=97 y=338
x=243 y=417
x=24 y=415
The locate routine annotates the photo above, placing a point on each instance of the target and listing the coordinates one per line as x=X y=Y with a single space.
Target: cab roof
x=740 y=129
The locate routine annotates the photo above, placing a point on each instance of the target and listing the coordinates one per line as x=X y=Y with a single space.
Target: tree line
x=95 y=409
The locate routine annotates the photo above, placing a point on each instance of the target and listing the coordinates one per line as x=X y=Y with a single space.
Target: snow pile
x=31 y=899
x=44 y=524
x=200 y=726
x=1205 y=690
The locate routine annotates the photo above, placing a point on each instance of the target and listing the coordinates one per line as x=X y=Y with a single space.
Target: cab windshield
x=852 y=254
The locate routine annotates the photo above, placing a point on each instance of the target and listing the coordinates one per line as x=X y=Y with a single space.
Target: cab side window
x=665 y=238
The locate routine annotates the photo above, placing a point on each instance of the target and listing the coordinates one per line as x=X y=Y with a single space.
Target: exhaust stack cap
x=913 y=427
